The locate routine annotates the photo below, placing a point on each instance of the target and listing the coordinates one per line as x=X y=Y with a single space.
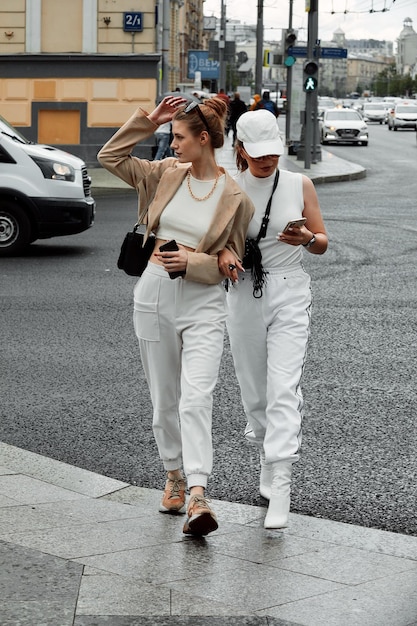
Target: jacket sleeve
x=116 y=155
x=203 y=268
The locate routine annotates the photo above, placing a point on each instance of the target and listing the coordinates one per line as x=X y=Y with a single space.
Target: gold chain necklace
x=207 y=196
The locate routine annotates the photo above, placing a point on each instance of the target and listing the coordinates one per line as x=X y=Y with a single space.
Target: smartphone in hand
x=295 y=223
x=171 y=246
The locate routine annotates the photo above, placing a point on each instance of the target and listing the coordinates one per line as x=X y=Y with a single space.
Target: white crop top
x=287 y=204
x=187 y=220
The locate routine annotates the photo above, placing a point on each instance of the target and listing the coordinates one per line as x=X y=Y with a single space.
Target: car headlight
x=363 y=129
x=55 y=170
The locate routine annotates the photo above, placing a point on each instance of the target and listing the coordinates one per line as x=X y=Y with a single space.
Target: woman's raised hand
x=166 y=109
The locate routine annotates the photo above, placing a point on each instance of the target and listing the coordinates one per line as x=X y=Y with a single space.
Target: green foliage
x=389 y=83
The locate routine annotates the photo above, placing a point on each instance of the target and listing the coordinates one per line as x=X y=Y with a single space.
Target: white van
x=44 y=192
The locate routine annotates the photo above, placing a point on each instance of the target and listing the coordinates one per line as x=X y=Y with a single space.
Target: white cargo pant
x=268 y=338
x=180 y=327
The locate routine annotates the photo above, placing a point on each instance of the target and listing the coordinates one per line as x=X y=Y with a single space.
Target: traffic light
x=310 y=76
x=289 y=37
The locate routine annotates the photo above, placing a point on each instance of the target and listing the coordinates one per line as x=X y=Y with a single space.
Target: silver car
x=403 y=116
x=343 y=126
x=375 y=112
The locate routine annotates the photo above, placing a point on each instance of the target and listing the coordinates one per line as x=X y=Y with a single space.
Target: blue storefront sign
x=199 y=61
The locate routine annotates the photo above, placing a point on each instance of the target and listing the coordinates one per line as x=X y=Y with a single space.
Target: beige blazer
x=156 y=183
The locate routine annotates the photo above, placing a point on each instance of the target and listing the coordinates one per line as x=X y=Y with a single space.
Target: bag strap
x=265 y=220
x=140 y=220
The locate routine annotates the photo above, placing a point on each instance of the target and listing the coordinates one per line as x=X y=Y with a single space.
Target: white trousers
x=180 y=327
x=268 y=338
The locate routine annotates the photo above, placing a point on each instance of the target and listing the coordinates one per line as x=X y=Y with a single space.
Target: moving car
x=44 y=192
x=375 y=112
x=403 y=115
x=343 y=126
x=324 y=103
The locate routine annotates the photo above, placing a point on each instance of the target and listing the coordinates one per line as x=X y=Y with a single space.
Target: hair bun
x=218 y=105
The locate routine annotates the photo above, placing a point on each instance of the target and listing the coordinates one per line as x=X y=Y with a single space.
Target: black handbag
x=134 y=256
x=252 y=259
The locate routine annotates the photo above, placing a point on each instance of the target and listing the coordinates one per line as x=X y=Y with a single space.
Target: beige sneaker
x=173 y=500
x=201 y=519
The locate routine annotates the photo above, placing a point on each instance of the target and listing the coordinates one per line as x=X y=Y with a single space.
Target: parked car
x=403 y=115
x=44 y=192
x=375 y=112
x=343 y=126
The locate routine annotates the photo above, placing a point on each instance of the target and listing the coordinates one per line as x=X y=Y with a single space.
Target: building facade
x=72 y=72
x=406 y=57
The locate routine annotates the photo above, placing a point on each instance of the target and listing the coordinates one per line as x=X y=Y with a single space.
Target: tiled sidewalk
x=329 y=169
x=81 y=549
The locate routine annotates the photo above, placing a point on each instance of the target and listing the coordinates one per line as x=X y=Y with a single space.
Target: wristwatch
x=310 y=243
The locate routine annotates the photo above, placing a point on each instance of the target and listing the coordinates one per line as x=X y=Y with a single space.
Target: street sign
x=297 y=51
x=133 y=22
x=333 y=53
x=325 y=53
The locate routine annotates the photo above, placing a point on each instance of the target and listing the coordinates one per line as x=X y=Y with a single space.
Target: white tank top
x=287 y=204
x=187 y=220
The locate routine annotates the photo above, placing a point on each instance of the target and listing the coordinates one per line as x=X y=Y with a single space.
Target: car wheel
x=15 y=231
x=364 y=143
x=395 y=128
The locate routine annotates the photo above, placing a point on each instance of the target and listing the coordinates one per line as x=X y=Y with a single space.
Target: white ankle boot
x=265 y=478
x=279 y=502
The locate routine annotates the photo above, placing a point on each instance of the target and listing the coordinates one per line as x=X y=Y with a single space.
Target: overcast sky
x=354 y=17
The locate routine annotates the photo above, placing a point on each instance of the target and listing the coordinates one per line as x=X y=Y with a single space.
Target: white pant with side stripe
x=268 y=338
x=180 y=327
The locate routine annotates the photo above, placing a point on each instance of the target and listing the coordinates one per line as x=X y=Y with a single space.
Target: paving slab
x=111 y=558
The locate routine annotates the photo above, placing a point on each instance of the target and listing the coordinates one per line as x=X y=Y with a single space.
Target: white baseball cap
x=259 y=133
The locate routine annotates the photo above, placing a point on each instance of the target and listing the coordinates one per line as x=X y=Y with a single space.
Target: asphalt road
x=72 y=385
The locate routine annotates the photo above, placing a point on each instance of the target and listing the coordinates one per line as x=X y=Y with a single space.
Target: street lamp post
x=259 y=47
x=222 y=44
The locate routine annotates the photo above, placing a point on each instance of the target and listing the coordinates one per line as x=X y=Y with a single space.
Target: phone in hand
x=171 y=246
x=295 y=223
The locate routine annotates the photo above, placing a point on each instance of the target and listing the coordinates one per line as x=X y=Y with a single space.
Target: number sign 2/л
x=132 y=22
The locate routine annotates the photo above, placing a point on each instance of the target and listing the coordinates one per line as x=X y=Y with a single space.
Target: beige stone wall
x=61 y=26
x=112 y=39
x=111 y=101
x=12 y=26
x=361 y=71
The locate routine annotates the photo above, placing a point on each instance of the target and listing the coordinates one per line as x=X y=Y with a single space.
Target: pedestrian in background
x=266 y=103
x=256 y=98
x=268 y=323
x=236 y=109
x=223 y=95
x=179 y=301
x=163 y=140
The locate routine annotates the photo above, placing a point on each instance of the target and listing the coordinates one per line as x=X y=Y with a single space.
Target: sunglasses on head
x=193 y=106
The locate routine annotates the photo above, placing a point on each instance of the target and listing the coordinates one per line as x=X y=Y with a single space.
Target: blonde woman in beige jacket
x=180 y=322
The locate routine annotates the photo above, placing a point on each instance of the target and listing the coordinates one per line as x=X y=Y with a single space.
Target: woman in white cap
x=269 y=305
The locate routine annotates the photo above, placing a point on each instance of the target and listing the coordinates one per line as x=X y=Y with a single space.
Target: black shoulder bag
x=134 y=255
x=253 y=256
